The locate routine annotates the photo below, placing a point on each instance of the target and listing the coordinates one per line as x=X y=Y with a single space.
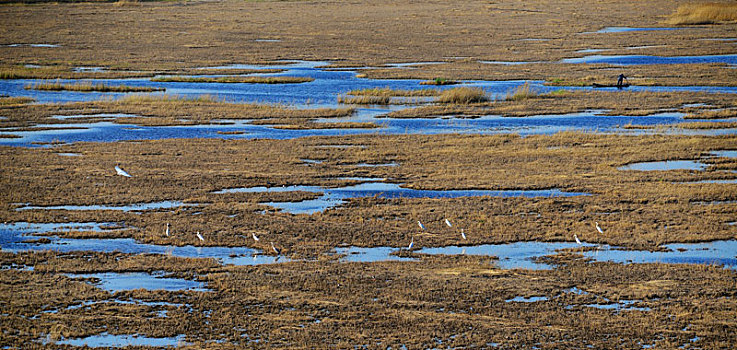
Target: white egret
x=121 y=172
x=598 y=228
x=255 y=238
x=577 y=240
x=463 y=234
x=167 y=229
x=447 y=222
x=200 y=236
x=274 y=248
x=411 y=243
x=421 y=225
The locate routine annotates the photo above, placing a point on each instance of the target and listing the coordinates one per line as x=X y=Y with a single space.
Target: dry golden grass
x=89 y=87
x=461 y=301
x=365 y=100
x=439 y=82
x=463 y=95
x=521 y=93
x=13 y=101
x=161 y=110
x=225 y=32
x=629 y=204
x=707 y=125
x=127 y=3
x=562 y=102
x=712 y=114
x=704 y=13
x=394 y=92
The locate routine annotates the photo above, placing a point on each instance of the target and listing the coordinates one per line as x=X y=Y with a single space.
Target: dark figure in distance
x=620 y=80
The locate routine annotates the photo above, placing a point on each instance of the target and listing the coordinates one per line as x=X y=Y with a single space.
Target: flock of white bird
x=122 y=172
x=422 y=227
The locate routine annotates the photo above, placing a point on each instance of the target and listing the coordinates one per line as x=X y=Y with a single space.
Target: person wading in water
x=620 y=81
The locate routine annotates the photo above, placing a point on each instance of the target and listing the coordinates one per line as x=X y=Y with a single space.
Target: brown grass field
x=315 y=300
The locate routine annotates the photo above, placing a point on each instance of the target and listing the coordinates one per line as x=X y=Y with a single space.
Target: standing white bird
x=274 y=248
x=447 y=222
x=200 y=236
x=167 y=229
x=122 y=172
x=463 y=234
x=421 y=225
x=598 y=228
x=255 y=238
x=577 y=240
x=411 y=243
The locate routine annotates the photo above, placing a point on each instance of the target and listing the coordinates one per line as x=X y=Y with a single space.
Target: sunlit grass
x=365 y=100
x=522 y=92
x=439 y=81
x=394 y=92
x=463 y=95
x=704 y=13
x=712 y=114
x=89 y=87
x=11 y=101
x=707 y=125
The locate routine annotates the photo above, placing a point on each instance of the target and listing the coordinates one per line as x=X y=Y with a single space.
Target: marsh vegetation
x=215 y=212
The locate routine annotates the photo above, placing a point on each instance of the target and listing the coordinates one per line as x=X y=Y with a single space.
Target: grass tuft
x=521 y=93
x=365 y=100
x=704 y=13
x=463 y=95
x=439 y=81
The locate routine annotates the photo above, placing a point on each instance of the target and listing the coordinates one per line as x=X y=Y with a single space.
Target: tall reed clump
x=463 y=95
x=521 y=93
x=365 y=100
x=704 y=13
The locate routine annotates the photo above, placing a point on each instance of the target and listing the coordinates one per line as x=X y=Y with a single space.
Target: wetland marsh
x=386 y=175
